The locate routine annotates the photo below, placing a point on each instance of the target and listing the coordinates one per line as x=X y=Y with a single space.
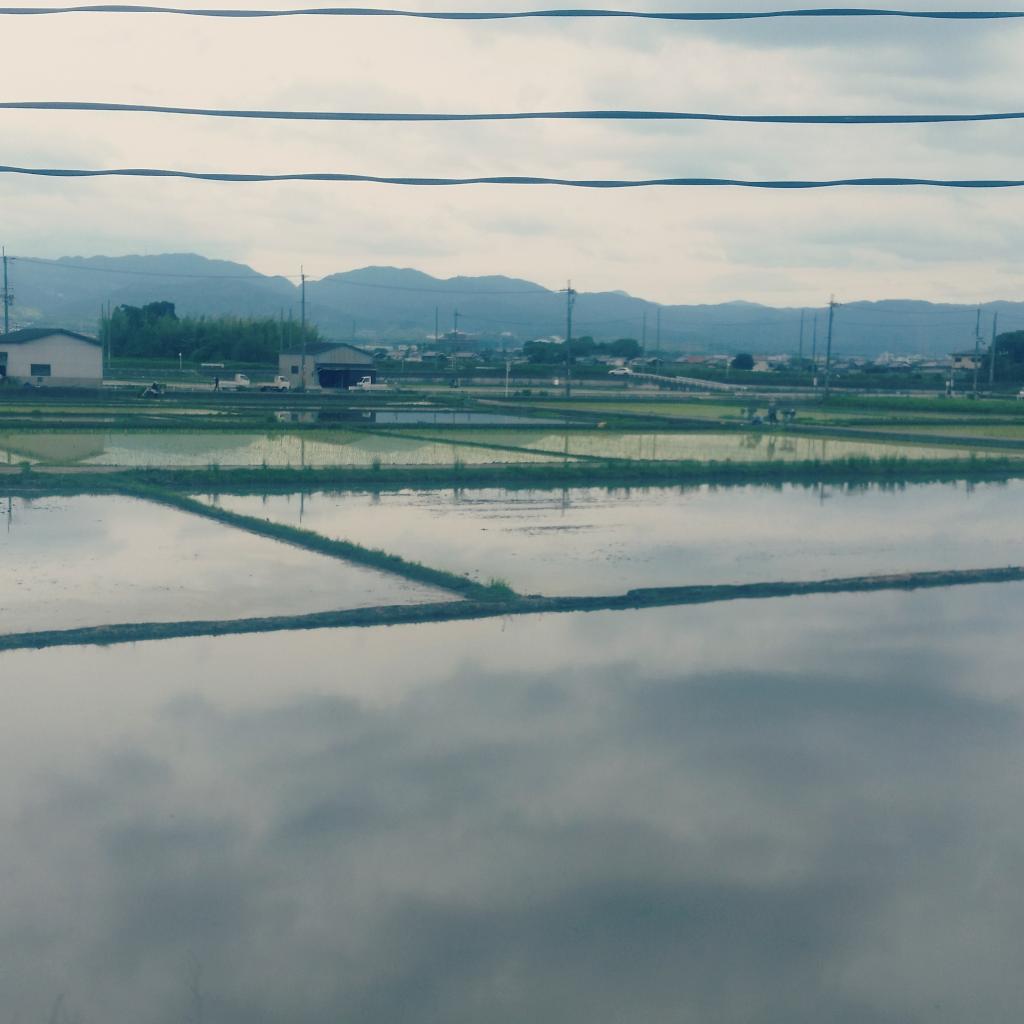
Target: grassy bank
x=510 y=605
x=584 y=473
x=346 y=550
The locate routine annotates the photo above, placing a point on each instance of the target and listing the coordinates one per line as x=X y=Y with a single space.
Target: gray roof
x=35 y=333
x=316 y=348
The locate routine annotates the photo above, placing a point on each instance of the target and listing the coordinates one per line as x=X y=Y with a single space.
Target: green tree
x=1009 y=356
x=743 y=361
x=624 y=348
x=155 y=331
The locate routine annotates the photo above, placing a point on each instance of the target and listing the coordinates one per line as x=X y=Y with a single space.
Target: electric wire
x=384 y=12
x=593 y=183
x=77 y=106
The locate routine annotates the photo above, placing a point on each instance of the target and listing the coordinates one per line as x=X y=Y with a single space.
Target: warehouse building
x=50 y=357
x=329 y=364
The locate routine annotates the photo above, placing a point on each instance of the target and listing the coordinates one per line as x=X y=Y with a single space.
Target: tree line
x=155 y=331
x=549 y=352
x=1009 y=356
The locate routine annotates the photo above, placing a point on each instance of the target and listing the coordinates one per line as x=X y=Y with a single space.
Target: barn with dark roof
x=50 y=357
x=326 y=364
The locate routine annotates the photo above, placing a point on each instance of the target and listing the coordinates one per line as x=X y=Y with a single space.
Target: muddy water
x=799 y=810
x=91 y=561
x=595 y=541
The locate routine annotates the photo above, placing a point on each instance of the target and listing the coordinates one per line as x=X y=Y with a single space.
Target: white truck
x=279 y=383
x=366 y=384
x=239 y=382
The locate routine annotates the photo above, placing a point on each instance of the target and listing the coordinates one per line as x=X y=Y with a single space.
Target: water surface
x=799 y=810
x=753 y=446
x=599 y=541
x=97 y=560
x=317 y=448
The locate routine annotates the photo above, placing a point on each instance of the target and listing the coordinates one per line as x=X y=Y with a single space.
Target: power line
x=594 y=183
x=76 y=106
x=378 y=12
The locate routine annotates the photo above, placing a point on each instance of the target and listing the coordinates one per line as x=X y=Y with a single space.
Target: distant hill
x=391 y=304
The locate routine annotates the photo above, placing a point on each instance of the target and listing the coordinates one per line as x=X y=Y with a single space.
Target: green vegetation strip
x=584 y=473
x=343 y=549
x=393 y=615
x=496 y=446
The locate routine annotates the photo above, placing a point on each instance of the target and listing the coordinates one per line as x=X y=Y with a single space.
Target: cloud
x=668 y=246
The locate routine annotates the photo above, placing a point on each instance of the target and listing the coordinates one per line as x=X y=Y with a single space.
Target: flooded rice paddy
x=437 y=446
x=600 y=541
x=781 y=812
x=91 y=561
x=708 y=447
x=318 y=449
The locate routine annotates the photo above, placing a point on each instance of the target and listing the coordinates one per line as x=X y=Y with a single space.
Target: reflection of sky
x=8 y=457
x=756 y=446
x=222 y=448
x=90 y=561
x=597 y=541
x=791 y=810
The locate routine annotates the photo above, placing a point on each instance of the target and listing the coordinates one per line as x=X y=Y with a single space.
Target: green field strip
x=394 y=615
x=341 y=549
x=593 y=472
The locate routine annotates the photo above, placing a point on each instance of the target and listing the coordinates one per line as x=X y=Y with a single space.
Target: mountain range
x=389 y=304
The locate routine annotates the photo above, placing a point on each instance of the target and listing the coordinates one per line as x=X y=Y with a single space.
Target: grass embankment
x=343 y=549
x=509 y=605
x=583 y=473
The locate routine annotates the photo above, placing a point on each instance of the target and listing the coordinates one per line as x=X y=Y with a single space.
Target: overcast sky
x=669 y=245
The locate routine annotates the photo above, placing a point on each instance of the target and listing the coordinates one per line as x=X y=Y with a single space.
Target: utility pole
x=992 y=353
x=8 y=298
x=643 y=334
x=570 y=300
x=302 y=327
x=455 y=341
x=437 y=334
x=814 y=350
x=105 y=337
x=832 y=304
x=657 y=334
x=977 y=349
x=801 y=349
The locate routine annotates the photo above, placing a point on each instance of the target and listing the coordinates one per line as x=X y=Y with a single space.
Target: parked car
x=620 y=371
x=367 y=384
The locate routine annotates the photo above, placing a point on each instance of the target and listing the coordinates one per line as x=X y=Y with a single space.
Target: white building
x=51 y=357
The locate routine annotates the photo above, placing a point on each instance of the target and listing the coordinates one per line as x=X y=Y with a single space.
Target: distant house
x=51 y=357
x=966 y=361
x=328 y=364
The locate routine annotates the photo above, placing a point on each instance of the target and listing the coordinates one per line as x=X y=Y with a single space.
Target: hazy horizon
x=669 y=245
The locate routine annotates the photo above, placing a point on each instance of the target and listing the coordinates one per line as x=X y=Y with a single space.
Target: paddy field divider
x=510 y=604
